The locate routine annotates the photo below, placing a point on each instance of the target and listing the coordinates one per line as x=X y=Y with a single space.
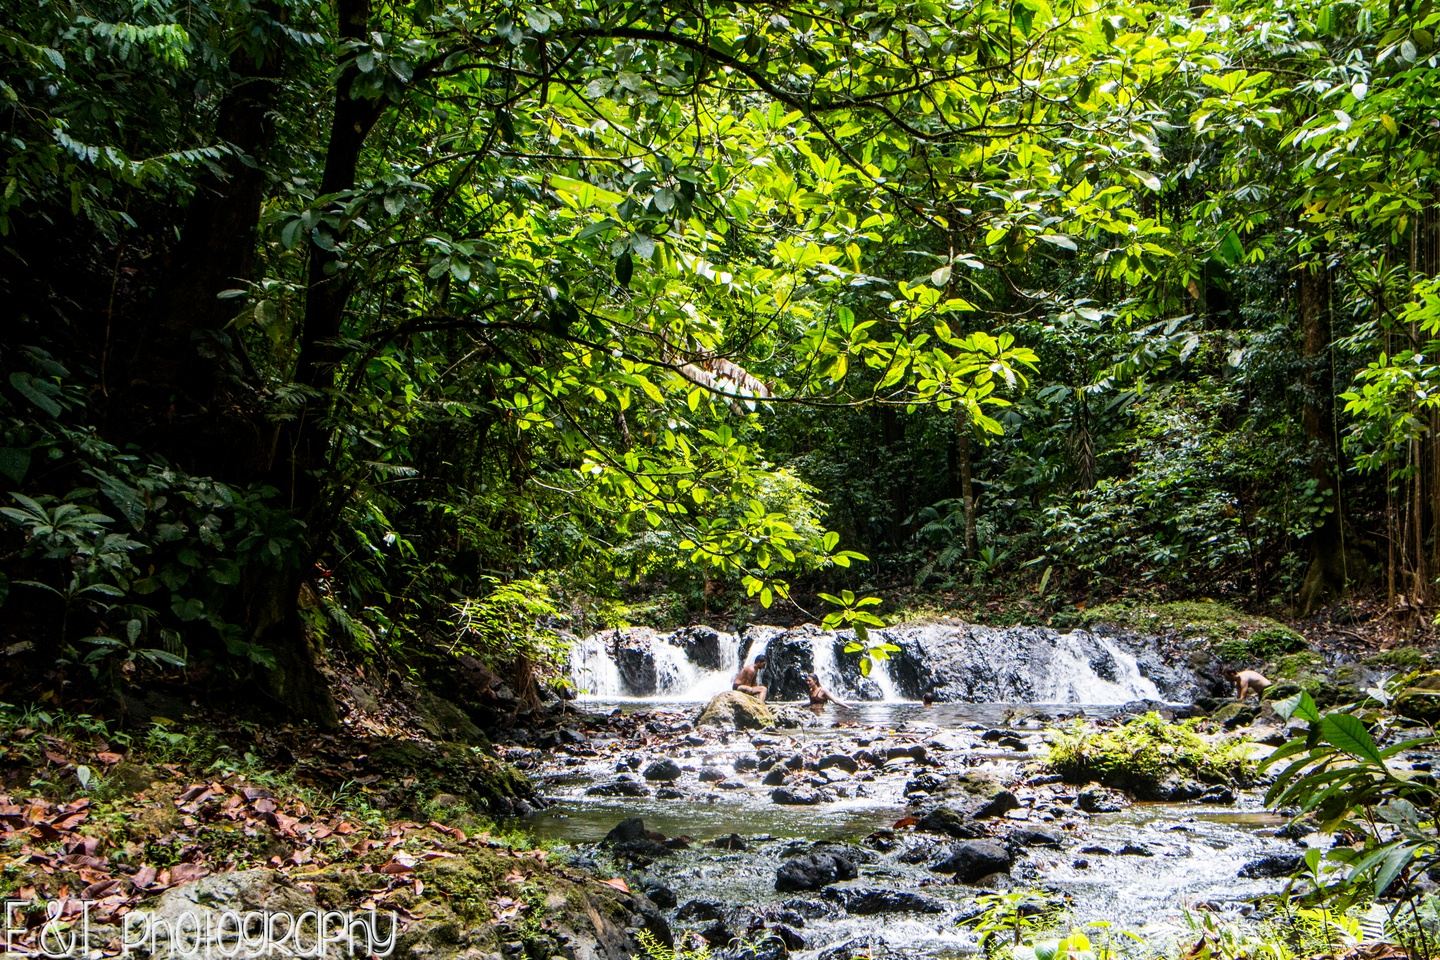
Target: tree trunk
x=963 y=451
x=304 y=462
x=1327 y=576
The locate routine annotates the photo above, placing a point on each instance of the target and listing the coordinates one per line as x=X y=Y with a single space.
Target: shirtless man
x=819 y=696
x=1248 y=682
x=746 y=681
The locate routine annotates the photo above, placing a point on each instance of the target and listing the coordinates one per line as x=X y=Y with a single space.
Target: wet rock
x=863 y=902
x=809 y=909
x=1101 y=800
x=711 y=774
x=1177 y=790
x=914 y=751
x=744 y=764
x=662 y=770
x=717 y=934
x=730 y=785
x=767 y=947
x=858 y=948
x=1273 y=866
x=794 y=718
x=630 y=838
x=951 y=822
x=659 y=894
x=775 y=777
x=731 y=842
x=1217 y=794
x=1030 y=837
x=1135 y=850
x=788 y=936
x=797 y=796
x=669 y=793
x=706 y=647
x=619 y=788
x=882 y=840
x=814 y=871
x=701 y=909
x=1235 y=714
x=738 y=711
x=838 y=761
x=973 y=860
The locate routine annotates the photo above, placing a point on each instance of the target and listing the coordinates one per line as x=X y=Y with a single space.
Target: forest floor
x=97 y=822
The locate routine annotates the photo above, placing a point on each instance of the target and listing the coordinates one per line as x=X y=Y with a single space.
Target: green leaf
x=1348 y=734
x=38 y=392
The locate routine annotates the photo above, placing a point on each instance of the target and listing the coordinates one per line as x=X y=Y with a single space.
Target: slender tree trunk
x=1327 y=576
x=964 y=457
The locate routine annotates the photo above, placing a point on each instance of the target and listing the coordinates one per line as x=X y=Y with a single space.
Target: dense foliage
x=331 y=320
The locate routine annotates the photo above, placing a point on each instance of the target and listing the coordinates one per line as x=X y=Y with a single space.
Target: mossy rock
x=566 y=913
x=1403 y=659
x=1145 y=754
x=1228 y=634
x=1234 y=714
x=736 y=710
x=1420 y=700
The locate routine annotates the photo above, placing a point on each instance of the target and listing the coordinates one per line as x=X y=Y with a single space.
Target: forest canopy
x=375 y=326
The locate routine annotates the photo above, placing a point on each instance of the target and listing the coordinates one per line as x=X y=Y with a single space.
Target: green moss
x=1143 y=753
x=1232 y=636
x=1402 y=659
x=1305 y=667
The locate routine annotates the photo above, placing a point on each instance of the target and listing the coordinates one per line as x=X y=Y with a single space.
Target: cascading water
x=593 y=670
x=951 y=662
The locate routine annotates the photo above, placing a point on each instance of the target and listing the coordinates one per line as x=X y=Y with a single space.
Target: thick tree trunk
x=304 y=456
x=1327 y=576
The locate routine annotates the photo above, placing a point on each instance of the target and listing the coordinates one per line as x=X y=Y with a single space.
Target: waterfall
x=823 y=665
x=1075 y=679
x=880 y=673
x=593 y=670
x=951 y=661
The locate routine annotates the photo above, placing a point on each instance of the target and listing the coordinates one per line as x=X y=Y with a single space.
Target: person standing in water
x=819 y=696
x=748 y=679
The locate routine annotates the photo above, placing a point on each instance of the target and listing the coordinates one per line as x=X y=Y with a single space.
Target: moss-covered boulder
x=1148 y=756
x=737 y=711
x=1420 y=699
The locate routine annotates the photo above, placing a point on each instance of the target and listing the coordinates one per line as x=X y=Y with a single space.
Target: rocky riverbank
x=839 y=835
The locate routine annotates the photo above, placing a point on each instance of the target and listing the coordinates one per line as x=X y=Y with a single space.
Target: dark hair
x=762 y=659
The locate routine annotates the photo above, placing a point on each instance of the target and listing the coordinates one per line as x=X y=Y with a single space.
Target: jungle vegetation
x=396 y=329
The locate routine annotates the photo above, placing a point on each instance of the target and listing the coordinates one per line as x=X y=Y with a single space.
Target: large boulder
x=737 y=711
x=814 y=870
x=792 y=655
x=974 y=664
x=707 y=647
x=973 y=860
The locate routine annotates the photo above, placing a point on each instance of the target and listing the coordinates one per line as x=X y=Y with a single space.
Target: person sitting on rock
x=747 y=680
x=1248 y=682
x=819 y=696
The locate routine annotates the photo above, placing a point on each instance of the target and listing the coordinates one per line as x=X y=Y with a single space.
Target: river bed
x=1142 y=868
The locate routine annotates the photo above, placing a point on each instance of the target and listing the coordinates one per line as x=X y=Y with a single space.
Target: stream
x=856 y=778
